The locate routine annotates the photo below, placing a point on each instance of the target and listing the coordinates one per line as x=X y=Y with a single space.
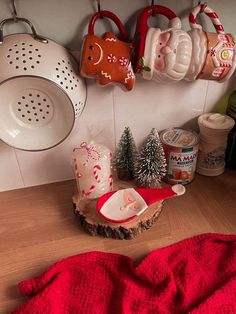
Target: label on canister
x=181 y=149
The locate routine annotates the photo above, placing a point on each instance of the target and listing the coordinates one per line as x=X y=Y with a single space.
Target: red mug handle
x=153 y=9
x=112 y=17
x=210 y=13
x=142 y=27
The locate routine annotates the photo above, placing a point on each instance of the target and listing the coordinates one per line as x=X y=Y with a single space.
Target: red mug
x=107 y=58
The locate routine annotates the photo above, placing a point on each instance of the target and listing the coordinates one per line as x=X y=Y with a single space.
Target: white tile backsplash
x=161 y=106
x=95 y=123
x=107 y=111
x=10 y=176
x=216 y=96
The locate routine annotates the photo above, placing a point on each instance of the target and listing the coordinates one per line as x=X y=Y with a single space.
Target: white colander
x=41 y=92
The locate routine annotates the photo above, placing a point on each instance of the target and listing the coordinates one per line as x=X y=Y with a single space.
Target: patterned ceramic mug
x=107 y=58
x=213 y=54
x=161 y=55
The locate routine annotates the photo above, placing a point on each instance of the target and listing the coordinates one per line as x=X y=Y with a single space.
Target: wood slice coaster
x=86 y=212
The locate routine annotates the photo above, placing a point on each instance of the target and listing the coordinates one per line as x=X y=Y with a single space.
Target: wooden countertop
x=38 y=227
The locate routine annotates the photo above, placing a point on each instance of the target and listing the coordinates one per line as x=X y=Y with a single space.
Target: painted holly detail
x=124 y=61
x=143 y=66
x=111 y=58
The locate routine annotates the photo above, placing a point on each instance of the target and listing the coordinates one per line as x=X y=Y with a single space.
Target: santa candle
x=92 y=165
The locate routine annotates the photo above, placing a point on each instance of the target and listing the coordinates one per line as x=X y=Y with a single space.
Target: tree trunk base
x=86 y=212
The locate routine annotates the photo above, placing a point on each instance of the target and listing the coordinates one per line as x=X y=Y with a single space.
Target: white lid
x=216 y=121
x=179 y=138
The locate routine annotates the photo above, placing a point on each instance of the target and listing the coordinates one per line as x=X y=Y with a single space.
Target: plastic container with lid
x=181 y=149
x=214 y=130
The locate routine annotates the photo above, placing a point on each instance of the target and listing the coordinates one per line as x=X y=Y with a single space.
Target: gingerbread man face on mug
x=107 y=59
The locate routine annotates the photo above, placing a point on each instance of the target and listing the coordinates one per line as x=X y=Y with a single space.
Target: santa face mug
x=163 y=56
x=213 y=54
x=92 y=167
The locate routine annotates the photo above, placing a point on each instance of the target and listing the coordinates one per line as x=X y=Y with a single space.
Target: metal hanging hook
x=203 y=6
x=99 y=6
x=152 y=4
x=99 y=9
x=14 y=12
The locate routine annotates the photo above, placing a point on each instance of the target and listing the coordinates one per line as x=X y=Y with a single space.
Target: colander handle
x=21 y=19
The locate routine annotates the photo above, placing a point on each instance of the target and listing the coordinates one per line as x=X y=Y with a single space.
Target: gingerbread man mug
x=107 y=58
x=213 y=54
x=161 y=55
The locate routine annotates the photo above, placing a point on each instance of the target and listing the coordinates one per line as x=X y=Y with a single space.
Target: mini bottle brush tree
x=151 y=162
x=125 y=156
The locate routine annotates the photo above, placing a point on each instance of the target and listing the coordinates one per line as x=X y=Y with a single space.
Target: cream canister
x=181 y=149
x=214 y=130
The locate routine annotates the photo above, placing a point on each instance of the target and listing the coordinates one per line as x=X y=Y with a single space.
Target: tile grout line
x=113 y=109
x=204 y=106
x=22 y=178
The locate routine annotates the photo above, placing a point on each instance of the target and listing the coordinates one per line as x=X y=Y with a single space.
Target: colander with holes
x=41 y=92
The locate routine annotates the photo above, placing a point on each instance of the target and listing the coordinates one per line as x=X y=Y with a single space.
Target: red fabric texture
x=196 y=275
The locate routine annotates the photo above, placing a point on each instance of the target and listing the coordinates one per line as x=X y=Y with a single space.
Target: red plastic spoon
x=124 y=205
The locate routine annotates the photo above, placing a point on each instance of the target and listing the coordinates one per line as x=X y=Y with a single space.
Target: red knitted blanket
x=197 y=275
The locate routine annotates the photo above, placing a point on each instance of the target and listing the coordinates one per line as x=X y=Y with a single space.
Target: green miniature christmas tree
x=151 y=162
x=125 y=156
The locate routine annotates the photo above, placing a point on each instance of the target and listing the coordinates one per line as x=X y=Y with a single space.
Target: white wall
x=109 y=109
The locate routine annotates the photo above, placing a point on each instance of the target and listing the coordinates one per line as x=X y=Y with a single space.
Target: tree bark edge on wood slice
x=86 y=212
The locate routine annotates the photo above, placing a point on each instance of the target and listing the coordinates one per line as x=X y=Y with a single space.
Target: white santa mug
x=213 y=54
x=161 y=55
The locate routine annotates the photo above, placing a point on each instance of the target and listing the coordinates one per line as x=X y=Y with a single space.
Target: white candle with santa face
x=92 y=165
